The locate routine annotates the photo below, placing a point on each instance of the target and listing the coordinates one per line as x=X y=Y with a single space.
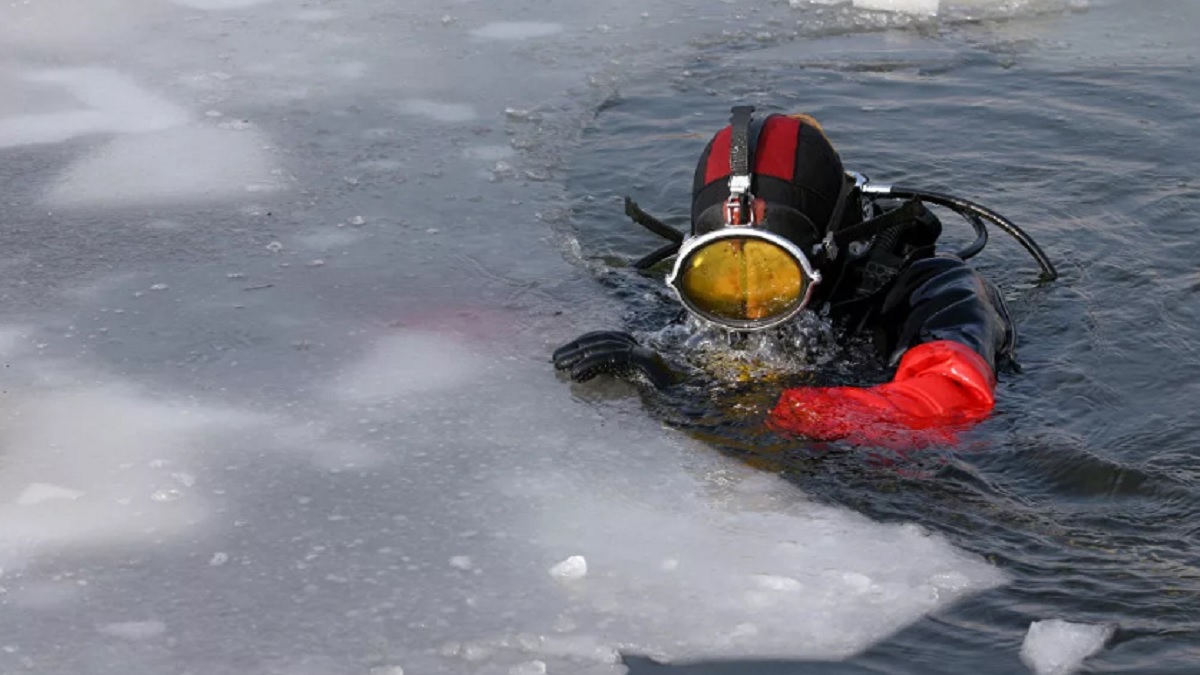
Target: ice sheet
x=733 y=563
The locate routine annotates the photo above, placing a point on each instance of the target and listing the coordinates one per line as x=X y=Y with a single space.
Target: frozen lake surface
x=281 y=281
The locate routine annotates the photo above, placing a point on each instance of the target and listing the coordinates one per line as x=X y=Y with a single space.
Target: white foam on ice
x=1057 y=647
x=442 y=112
x=109 y=102
x=516 y=30
x=409 y=362
x=184 y=164
x=734 y=563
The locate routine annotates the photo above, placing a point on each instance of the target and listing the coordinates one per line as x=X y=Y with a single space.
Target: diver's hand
x=613 y=353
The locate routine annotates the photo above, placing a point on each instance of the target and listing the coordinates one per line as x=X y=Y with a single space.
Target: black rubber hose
x=651 y=223
x=656 y=256
x=963 y=206
x=981 y=236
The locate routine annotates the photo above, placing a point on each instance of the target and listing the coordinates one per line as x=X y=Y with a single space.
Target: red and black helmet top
x=793 y=168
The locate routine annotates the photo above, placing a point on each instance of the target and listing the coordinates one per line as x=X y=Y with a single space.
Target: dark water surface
x=1080 y=127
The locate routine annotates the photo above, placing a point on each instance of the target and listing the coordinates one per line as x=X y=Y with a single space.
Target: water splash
x=799 y=346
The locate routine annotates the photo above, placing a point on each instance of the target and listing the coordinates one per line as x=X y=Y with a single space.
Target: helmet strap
x=737 y=207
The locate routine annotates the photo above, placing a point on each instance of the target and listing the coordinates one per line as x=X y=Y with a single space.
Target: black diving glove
x=614 y=353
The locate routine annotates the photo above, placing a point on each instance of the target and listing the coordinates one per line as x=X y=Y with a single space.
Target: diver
x=778 y=227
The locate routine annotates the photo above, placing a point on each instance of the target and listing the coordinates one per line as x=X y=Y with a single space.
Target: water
x=281 y=284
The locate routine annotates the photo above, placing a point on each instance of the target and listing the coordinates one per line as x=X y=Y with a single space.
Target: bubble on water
x=275 y=247
x=219 y=558
x=461 y=562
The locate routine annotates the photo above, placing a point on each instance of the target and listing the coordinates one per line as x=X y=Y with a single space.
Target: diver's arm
x=946 y=325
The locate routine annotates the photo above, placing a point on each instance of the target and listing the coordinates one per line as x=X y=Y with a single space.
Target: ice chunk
x=516 y=30
x=37 y=493
x=762 y=571
x=574 y=567
x=1057 y=647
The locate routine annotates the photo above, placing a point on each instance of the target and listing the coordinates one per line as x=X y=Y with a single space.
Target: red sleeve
x=939 y=387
